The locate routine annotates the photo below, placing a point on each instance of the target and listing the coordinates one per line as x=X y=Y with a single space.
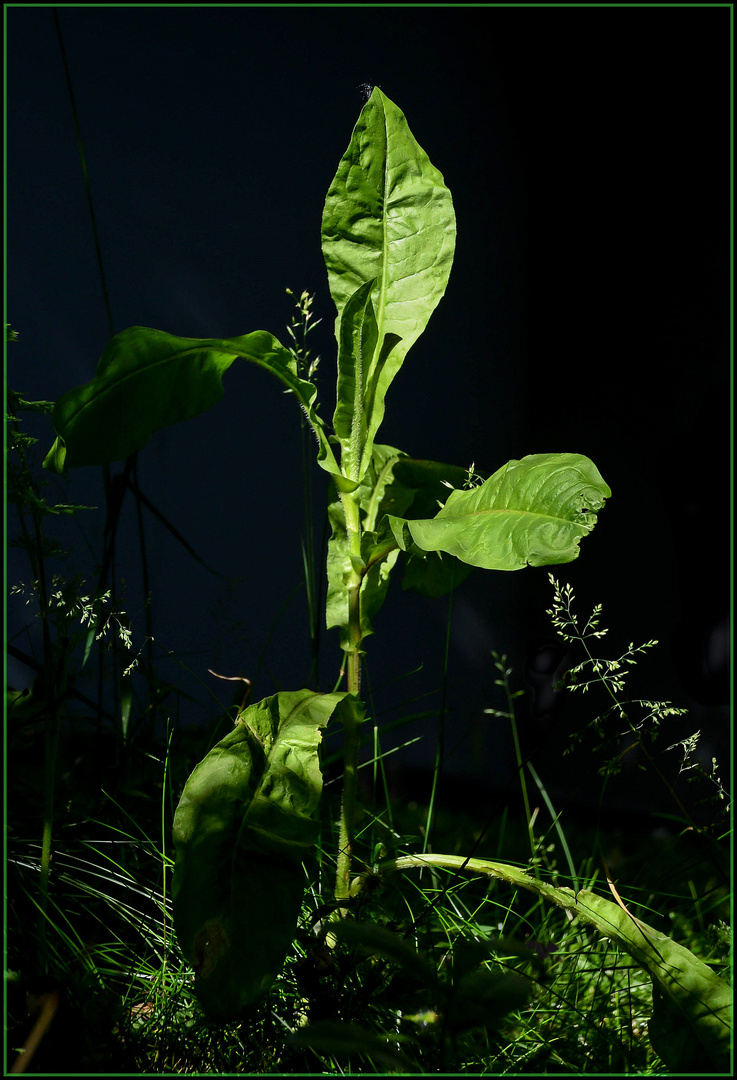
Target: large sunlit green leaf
x=531 y=511
x=245 y=822
x=389 y=219
x=147 y=379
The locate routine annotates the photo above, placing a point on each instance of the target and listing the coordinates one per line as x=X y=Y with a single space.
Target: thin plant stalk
x=441 y=727
x=166 y=780
x=582 y=638
x=353 y=685
x=114 y=489
x=556 y=824
x=511 y=716
x=377 y=760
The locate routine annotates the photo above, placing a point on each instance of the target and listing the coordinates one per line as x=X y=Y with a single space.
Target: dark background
x=587 y=151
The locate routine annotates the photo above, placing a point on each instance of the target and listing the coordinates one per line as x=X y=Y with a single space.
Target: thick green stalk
x=353 y=675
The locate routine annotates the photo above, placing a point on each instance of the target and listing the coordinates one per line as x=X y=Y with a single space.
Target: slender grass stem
x=377 y=761
x=83 y=158
x=582 y=636
x=441 y=723
x=505 y=672
x=166 y=782
x=557 y=825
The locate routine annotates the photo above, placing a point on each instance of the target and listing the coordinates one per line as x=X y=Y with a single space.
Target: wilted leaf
x=245 y=822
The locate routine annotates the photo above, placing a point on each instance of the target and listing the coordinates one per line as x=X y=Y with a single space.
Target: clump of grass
x=584 y=1008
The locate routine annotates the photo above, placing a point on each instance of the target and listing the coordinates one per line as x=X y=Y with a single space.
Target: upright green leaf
x=357 y=337
x=531 y=511
x=147 y=380
x=246 y=820
x=389 y=219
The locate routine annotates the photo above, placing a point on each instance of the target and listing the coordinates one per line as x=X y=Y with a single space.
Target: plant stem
x=353 y=684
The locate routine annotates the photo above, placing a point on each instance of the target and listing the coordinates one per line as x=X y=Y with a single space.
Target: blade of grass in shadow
x=440 y=748
x=556 y=823
x=145 y=501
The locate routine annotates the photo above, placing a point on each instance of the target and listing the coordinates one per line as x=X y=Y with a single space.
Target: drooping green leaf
x=531 y=511
x=389 y=219
x=246 y=820
x=692 y=1006
x=147 y=379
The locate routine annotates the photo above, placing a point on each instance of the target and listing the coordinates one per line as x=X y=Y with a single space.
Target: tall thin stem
x=501 y=666
x=353 y=685
x=441 y=725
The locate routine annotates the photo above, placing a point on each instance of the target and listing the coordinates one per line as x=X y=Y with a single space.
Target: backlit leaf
x=147 y=379
x=388 y=219
x=531 y=511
